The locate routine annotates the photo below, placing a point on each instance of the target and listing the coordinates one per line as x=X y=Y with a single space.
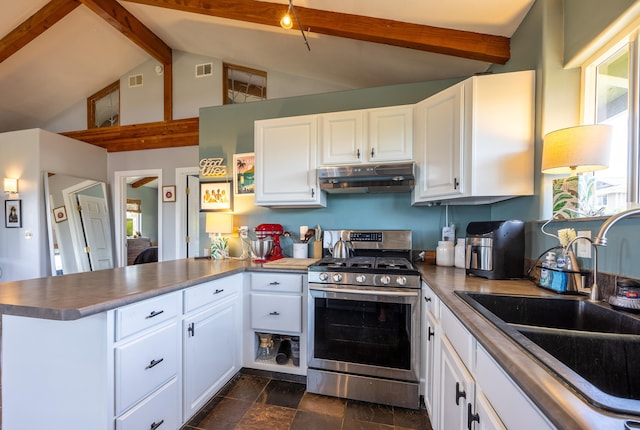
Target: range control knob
x=361 y=278
x=401 y=280
x=385 y=279
x=323 y=276
x=337 y=277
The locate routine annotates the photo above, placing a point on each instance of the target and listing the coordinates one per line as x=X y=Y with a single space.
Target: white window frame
x=588 y=102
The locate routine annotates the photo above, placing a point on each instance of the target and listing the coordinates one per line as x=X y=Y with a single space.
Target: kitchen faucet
x=601 y=240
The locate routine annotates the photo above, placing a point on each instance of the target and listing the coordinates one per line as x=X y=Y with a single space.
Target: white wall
x=145 y=104
x=26 y=155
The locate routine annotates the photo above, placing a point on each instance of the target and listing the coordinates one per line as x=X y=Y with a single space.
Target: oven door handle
x=368 y=291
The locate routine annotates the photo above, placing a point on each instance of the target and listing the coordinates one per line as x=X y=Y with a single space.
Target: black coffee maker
x=495 y=249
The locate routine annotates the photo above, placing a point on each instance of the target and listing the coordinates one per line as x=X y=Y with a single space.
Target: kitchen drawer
x=277 y=282
x=160 y=411
x=211 y=292
x=510 y=403
x=431 y=301
x=276 y=312
x=458 y=335
x=142 y=315
x=144 y=364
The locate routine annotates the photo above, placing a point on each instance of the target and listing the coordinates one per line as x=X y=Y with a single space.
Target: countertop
x=76 y=296
x=564 y=408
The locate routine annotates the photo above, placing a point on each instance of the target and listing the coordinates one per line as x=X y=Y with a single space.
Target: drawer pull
x=274 y=313
x=155 y=425
x=471 y=417
x=274 y=283
x=153 y=314
x=218 y=291
x=154 y=363
x=427 y=299
x=459 y=394
x=430 y=333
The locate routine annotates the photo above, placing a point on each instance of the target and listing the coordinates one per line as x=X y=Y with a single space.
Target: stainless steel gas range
x=364 y=320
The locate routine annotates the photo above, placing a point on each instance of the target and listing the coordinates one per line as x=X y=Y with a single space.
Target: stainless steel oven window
x=364 y=332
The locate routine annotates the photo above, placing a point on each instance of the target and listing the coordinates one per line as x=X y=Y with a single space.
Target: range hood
x=367 y=178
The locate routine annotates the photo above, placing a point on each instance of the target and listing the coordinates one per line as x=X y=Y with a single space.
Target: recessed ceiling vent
x=205 y=69
x=135 y=80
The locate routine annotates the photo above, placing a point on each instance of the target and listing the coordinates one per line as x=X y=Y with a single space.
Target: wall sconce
x=10 y=186
x=218 y=224
x=576 y=150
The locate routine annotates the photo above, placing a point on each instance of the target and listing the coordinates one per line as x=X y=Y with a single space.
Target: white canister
x=444 y=253
x=300 y=250
x=459 y=252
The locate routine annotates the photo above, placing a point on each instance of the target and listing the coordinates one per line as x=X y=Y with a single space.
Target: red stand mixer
x=274 y=231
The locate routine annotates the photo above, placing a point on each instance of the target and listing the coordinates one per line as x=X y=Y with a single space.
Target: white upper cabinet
x=367 y=136
x=474 y=141
x=286 y=159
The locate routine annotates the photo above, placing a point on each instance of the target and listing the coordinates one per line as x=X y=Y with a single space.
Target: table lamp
x=576 y=150
x=218 y=224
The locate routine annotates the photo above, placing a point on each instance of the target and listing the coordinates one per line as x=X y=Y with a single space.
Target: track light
x=286 y=22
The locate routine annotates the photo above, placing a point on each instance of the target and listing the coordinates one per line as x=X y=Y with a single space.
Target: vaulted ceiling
x=55 y=53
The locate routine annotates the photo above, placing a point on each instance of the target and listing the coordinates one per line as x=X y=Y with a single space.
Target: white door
x=193 y=217
x=97 y=230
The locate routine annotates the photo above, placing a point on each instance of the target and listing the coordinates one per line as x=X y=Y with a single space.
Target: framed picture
x=216 y=196
x=13 y=213
x=60 y=214
x=169 y=193
x=243 y=173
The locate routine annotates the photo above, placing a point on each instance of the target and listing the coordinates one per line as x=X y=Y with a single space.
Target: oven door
x=364 y=331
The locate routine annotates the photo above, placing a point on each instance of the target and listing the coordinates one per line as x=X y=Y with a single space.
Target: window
x=610 y=97
x=242 y=84
x=134 y=217
x=103 y=108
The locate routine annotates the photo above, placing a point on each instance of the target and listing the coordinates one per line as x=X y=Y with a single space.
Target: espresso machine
x=274 y=232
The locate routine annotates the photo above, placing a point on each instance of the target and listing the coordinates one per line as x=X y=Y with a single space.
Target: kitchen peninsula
x=60 y=334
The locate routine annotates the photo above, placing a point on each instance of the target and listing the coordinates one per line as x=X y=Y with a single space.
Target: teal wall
x=552 y=31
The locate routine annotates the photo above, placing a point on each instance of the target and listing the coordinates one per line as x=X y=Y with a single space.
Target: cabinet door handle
x=155 y=425
x=274 y=313
x=427 y=299
x=153 y=314
x=154 y=363
x=459 y=394
x=373 y=152
x=192 y=329
x=218 y=291
x=313 y=192
x=471 y=417
x=430 y=333
x=358 y=154
x=456 y=183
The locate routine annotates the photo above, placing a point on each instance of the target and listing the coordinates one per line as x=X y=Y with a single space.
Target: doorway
x=149 y=224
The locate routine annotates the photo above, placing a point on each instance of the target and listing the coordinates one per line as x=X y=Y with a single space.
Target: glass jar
x=444 y=253
x=459 y=253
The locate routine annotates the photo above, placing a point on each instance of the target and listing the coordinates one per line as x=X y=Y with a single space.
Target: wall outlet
x=584 y=246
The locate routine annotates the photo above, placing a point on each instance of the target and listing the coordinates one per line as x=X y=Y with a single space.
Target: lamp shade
x=578 y=149
x=219 y=223
x=10 y=185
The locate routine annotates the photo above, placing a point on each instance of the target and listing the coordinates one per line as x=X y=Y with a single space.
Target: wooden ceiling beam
x=143 y=181
x=35 y=25
x=130 y=26
x=464 y=44
x=152 y=135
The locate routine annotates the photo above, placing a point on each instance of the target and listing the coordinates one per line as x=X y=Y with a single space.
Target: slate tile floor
x=259 y=402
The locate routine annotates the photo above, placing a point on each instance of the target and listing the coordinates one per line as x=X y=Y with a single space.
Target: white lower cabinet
x=274 y=311
x=159 y=411
x=465 y=388
x=211 y=340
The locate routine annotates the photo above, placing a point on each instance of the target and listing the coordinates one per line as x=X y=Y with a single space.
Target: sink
x=592 y=347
